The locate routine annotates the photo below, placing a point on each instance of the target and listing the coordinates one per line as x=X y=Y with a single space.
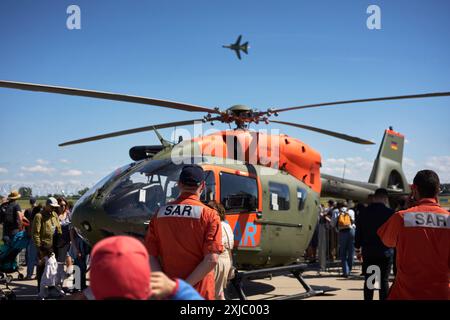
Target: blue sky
x=301 y=52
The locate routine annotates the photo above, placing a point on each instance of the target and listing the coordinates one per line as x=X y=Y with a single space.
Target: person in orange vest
x=184 y=238
x=421 y=236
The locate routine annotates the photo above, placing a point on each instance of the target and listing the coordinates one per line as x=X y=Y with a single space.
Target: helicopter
x=270 y=185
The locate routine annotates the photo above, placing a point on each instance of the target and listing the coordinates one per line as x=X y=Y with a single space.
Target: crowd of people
x=187 y=251
x=122 y=267
x=54 y=247
x=408 y=236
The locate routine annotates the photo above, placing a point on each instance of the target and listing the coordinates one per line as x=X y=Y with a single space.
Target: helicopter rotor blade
x=414 y=96
x=105 y=95
x=131 y=131
x=326 y=132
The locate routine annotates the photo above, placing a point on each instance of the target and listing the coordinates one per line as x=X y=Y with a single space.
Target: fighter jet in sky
x=238 y=47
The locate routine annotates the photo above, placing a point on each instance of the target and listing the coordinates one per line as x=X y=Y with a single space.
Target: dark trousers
x=81 y=263
x=385 y=264
x=40 y=268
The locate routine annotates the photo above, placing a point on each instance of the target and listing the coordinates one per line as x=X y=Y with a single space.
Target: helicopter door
x=239 y=194
x=284 y=224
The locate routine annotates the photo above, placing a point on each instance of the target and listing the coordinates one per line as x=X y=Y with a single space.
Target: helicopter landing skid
x=295 y=270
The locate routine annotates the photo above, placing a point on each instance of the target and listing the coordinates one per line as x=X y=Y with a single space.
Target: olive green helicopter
x=269 y=184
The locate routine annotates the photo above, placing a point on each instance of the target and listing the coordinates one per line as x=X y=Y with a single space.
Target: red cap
x=120 y=268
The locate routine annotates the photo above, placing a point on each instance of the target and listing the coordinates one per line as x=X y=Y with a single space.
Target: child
x=48 y=287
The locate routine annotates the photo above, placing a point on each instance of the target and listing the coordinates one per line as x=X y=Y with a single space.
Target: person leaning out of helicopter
x=45 y=225
x=224 y=270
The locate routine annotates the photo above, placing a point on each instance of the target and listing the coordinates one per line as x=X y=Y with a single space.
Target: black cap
x=192 y=175
x=32 y=200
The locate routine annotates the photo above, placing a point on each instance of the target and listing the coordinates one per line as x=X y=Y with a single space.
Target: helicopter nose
x=88 y=219
x=96 y=219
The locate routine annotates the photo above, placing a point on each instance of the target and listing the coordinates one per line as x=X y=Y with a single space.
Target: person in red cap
x=184 y=238
x=120 y=269
x=421 y=236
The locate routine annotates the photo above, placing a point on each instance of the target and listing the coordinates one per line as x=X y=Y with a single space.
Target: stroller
x=8 y=264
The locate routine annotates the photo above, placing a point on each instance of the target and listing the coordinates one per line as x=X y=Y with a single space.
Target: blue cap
x=192 y=175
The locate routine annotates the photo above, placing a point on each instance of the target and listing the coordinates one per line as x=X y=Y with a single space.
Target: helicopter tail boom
x=387 y=171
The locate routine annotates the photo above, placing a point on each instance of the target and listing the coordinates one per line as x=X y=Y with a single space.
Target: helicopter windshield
x=140 y=192
x=100 y=184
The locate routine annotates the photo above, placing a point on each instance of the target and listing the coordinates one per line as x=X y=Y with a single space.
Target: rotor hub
x=241 y=115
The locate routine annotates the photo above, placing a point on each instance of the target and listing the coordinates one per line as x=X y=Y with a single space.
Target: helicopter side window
x=210 y=187
x=238 y=193
x=301 y=198
x=279 y=196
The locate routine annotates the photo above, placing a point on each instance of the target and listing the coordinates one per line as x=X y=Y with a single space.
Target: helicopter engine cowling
x=138 y=153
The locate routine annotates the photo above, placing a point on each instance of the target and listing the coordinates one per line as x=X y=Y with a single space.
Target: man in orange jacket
x=184 y=238
x=421 y=235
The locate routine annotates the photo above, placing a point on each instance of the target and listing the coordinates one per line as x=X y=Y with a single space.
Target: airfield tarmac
x=264 y=289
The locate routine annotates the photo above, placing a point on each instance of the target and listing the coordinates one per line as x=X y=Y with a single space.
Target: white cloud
x=41 y=161
x=3 y=170
x=44 y=187
x=65 y=161
x=72 y=173
x=356 y=168
x=410 y=168
x=38 y=169
x=440 y=164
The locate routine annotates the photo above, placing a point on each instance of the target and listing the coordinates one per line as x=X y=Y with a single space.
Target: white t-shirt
x=227 y=236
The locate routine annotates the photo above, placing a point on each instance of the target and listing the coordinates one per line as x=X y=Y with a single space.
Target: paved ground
x=281 y=286
x=350 y=289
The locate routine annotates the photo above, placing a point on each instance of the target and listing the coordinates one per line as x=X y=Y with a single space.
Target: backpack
x=344 y=221
x=3 y=212
x=8 y=214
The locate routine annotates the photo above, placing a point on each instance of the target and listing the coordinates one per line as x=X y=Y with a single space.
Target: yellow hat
x=14 y=195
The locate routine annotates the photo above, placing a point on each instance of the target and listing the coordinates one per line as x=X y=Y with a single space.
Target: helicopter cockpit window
x=301 y=197
x=210 y=187
x=238 y=193
x=279 y=196
x=143 y=190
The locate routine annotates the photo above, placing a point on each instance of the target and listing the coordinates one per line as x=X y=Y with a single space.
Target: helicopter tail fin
x=387 y=171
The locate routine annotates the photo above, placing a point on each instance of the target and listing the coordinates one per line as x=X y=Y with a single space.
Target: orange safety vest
x=181 y=234
x=421 y=235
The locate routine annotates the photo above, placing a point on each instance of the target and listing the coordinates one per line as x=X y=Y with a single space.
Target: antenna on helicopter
x=163 y=141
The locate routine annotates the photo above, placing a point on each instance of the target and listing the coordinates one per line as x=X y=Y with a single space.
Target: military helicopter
x=270 y=185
